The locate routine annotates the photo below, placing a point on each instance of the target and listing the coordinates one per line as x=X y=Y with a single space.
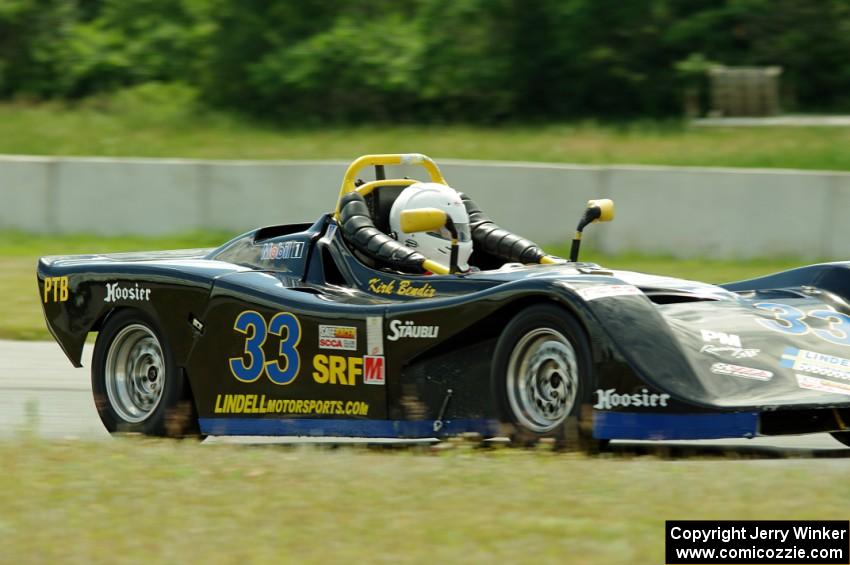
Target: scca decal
x=253 y=325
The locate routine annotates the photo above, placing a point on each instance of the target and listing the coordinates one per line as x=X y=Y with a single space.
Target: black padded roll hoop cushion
x=360 y=231
x=494 y=240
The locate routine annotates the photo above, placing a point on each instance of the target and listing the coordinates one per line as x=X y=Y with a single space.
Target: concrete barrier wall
x=734 y=213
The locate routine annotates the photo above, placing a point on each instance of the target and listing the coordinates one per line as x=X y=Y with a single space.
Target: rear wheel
x=843 y=437
x=136 y=384
x=542 y=377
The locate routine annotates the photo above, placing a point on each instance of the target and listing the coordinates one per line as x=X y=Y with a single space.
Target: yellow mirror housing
x=606 y=209
x=422 y=219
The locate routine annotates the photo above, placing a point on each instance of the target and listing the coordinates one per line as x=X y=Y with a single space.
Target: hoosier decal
x=115 y=292
x=608 y=399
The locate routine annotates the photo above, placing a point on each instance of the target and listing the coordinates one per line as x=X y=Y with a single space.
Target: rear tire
x=136 y=384
x=542 y=378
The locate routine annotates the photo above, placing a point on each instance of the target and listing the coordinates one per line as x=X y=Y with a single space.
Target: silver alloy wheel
x=542 y=379
x=134 y=373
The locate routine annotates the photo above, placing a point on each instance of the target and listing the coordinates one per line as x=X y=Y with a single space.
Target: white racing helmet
x=434 y=245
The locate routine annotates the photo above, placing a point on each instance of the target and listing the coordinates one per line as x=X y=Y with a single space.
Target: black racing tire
x=843 y=437
x=543 y=381
x=137 y=386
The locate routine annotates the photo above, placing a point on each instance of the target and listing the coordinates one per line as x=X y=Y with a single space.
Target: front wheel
x=136 y=384
x=542 y=377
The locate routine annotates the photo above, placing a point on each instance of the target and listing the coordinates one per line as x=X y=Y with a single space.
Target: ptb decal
x=253 y=363
x=55 y=289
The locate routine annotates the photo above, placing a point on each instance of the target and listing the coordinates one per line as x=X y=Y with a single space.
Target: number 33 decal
x=790 y=320
x=281 y=371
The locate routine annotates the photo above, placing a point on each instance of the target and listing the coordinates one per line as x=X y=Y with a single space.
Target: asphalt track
x=42 y=394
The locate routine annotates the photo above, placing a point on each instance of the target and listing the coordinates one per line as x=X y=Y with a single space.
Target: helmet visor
x=463 y=233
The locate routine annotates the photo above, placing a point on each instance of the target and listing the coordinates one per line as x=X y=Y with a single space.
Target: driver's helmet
x=434 y=245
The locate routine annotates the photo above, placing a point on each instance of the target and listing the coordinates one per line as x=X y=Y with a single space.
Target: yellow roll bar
x=386 y=159
x=370 y=186
x=399 y=159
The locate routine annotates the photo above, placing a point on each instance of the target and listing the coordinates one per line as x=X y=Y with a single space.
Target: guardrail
x=680 y=211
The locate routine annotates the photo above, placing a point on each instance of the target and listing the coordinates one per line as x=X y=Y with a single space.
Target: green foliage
x=473 y=60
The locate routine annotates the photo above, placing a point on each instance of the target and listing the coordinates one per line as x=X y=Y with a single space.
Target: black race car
x=334 y=328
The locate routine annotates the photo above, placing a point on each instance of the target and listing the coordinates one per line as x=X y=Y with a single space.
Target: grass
x=131 y=500
x=139 y=130
x=22 y=314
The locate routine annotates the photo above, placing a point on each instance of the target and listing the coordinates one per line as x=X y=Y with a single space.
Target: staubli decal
x=608 y=399
x=260 y=404
x=55 y=289
x=403 y=288
x=116 y=292
x=400 y=329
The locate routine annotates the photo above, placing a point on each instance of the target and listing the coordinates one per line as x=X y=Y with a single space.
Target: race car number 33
x=253 y=363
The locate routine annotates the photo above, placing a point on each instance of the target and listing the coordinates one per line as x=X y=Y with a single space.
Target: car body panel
x=286 y=331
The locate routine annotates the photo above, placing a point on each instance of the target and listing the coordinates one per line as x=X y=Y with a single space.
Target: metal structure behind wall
x=745 y=91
